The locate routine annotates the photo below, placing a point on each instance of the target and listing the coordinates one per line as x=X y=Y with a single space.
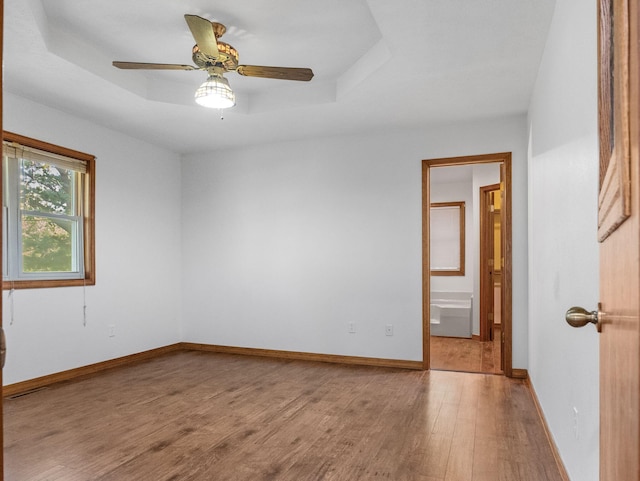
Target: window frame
x=460 y=206
x=88 y=218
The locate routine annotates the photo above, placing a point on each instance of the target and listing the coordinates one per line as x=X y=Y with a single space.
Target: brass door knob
x=580 y=317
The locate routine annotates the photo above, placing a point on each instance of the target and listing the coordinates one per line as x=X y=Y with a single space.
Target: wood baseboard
x=93 y=369
x=85 y=371
x=304 y=356
x=554 y=448
x=519 y=374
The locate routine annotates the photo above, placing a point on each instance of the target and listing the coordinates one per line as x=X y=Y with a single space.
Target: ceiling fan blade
x=152 y=66
x=202 y=31
x=284 y=73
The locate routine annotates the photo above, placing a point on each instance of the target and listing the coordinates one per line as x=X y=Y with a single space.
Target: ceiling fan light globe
x=215 y=93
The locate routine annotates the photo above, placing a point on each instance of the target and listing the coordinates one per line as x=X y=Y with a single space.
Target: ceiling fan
x=217 y=58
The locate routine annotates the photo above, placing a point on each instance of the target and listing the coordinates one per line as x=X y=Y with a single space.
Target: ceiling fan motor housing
x=228 y=57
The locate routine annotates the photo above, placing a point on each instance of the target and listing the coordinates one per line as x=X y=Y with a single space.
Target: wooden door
x=619 y=234
x=489 y=262
x=620 y=347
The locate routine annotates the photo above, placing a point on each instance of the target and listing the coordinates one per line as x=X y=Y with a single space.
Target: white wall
x=284 y=244
x=563 y=254
x=137 y=251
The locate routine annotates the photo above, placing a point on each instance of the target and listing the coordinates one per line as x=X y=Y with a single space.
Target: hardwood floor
x=466 y=355
x=197 y=416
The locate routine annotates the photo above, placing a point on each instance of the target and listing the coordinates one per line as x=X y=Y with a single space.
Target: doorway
x=499 y=282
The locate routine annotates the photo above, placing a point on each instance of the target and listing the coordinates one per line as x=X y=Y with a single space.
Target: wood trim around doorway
x=503 y=158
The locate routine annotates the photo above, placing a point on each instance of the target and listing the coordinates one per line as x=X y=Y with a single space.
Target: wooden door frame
x=503 y=158
x=486 y=286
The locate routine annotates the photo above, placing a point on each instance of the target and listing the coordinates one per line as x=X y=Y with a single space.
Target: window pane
x=48 y=244
x=5 y=217
x=46 y=188
x=445 y=238
x=5 y=243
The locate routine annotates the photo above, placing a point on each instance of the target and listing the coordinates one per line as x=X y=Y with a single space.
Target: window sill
x=49 y=283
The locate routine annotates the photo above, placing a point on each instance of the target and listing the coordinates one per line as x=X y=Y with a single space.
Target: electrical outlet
x=352 y=328
x=576 y=432
x=112 y=330
x=388 y=329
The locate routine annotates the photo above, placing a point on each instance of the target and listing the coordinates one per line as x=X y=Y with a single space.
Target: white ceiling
x=378 y=64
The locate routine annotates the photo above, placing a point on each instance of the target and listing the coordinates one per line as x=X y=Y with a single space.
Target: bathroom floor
x=467 y=355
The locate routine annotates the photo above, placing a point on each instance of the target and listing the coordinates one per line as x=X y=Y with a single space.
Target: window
x=48 y=215
x=447 y=238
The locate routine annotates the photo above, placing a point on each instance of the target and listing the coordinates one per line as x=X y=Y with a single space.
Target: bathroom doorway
x=456 y=333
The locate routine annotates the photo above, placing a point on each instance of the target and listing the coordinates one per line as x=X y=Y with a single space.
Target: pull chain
x=84 y=303
x=11 y=304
